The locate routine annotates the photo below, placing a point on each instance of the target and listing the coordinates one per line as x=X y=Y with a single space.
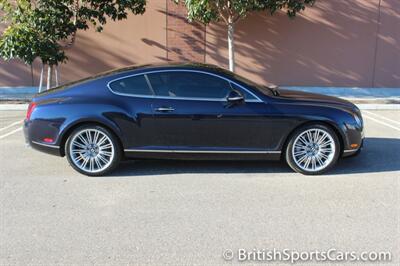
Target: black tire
x=333 y=158
x=112 y=163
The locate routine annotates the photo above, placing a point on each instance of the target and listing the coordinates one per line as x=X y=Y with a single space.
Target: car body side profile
x=189 y=111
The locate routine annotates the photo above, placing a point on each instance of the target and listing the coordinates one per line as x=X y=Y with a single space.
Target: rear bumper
x=38 y=145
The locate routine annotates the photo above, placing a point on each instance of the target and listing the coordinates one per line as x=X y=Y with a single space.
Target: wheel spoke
x=83 y=140
x=327 y=143
x=106 y=153
x=102 y=140
x=298 y=153
x=324 y=156
x=302 y=159
x=96 y=136
x=89 y=137
x=107 y=146
x=85 y=161
x=323 y=137
x=328 y=150
x=307 y=162
x=316 y=136
x=313 y=163
x=79 y=158
x=320 y=162
x=79 y=145
x=303 y=140
x=309 y=137
x=97 y=161
x=102 y=158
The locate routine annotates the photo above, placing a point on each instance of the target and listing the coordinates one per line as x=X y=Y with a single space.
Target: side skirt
x=202 y=154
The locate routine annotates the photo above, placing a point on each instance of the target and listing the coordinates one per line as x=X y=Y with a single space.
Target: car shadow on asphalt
x=169 y=167
x=378 y=155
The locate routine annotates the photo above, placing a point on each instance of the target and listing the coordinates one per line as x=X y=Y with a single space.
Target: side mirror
x=234 y=97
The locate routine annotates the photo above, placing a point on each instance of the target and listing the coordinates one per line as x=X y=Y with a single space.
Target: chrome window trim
x=46 y=145
x=202 y=151
x=179 y=98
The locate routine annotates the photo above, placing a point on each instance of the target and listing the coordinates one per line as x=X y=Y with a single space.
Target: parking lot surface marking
x=11 y=125
x=381 y=122
x=383 y=117
x=10 y=133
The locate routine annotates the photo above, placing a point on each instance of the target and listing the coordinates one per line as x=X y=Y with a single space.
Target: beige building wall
x=387 y=65
x=335 y=43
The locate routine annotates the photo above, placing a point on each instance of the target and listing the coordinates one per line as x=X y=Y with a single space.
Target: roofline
x=144 y=67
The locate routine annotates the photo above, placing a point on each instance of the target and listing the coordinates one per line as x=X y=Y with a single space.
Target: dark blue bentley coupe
x=189 y=111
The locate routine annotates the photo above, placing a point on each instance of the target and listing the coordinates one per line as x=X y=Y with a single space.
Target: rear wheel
x=93 y=150
x=313 y=149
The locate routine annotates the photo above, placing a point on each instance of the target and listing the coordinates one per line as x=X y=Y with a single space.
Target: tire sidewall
x=288 y=153
x=117 y=150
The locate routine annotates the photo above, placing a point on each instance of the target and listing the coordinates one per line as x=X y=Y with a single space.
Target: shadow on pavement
x=378 y=155
x=169 y=167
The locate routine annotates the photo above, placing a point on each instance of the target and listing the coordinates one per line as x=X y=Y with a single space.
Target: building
x=335 y=43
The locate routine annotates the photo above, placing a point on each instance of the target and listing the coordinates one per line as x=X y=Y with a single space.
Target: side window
x=136 y=85
x=246 y=94
x=189 y=85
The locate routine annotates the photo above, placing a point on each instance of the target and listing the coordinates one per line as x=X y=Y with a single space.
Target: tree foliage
x=207 y=11
x=42 y=28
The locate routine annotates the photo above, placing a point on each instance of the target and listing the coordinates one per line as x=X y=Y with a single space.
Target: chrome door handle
x=164 y=109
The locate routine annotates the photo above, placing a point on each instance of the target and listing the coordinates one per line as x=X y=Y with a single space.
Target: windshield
x=264 y=89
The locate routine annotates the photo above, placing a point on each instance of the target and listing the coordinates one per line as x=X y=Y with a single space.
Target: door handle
x=164 y=109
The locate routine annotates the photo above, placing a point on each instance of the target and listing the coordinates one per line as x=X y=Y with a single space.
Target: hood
x=312 y=98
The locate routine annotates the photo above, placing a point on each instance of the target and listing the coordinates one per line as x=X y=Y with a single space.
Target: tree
x=46 y=28
x=231 y=11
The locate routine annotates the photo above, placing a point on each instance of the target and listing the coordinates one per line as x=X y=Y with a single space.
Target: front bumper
x=354 y=152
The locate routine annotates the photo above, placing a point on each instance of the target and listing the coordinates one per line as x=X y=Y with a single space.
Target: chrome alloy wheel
x=313 y=150
x=91 y=150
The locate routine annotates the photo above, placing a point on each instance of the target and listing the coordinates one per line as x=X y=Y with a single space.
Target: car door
x=191 y=112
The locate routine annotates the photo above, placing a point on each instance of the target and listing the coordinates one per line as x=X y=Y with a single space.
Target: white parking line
x=382 y=117
x=381 y=122
x=13 y=124
x=10 y=133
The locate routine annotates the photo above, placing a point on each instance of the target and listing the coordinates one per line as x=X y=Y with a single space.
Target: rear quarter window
x=135 y=85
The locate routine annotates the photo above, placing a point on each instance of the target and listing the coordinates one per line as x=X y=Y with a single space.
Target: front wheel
x=93 y=150
x=313 y=149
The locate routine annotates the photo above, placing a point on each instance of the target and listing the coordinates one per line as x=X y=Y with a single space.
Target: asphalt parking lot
x=188 y=213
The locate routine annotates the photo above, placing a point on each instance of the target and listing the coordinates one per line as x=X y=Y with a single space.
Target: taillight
x=31 y=107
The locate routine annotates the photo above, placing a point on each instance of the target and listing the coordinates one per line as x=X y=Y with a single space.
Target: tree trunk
x=32 y=80
x=41 y=78
x=56 y=75
x=49 y=76
x=231 y=44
